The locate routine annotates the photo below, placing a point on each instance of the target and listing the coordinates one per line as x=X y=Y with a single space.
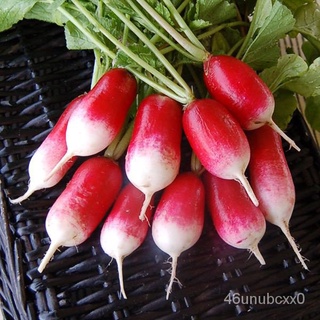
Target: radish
x=237 y=221
x=49 y=154
x=101 y=116
x=123 y=231
x=153 y=156
x=179 y=217
x=218 y=141
x=272 y=181
x=82 y=205
x=237 y=86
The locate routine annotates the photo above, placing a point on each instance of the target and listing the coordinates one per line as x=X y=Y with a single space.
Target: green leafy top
x=12 y=12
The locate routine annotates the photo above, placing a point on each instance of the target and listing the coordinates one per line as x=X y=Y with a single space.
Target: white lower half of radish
x=86 y=137
x=249 y=239
x=262 y=116
x=245 y=241
x=66 y=230
x=62 y=232
x=150 y=171
x=277 y=199
x=39 y=168
x=174 y=239
x=116 y=243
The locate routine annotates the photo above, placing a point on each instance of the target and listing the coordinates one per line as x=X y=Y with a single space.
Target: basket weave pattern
x=38 y=77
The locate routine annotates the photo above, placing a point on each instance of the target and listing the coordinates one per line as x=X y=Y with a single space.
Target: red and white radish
x=237 y=86
x=82 y=205
x=101 y=116
x=237 y=221
x=50 y=152
x=218 y=141
x=272 y=181
x=179 y=217
x=153 y=156
x=123 y=231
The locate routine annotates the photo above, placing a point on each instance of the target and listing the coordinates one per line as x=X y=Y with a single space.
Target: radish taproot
x=237 y=86
x=179 y=217
x=101 y=116
x=218 y=141
x=49 y=153
x=82 y=205
x=237 y=221
x=123 y=231
x=153 y=156
x=272 y=181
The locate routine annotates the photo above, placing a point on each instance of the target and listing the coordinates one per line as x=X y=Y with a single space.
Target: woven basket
x=38 y=77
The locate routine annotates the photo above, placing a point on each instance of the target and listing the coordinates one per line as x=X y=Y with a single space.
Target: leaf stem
x=211 y=32
x=155 y=51
x=101 y=64
x=125 y=32
x=216 y=29
x=198 y=83
x=235 y=47
x=157 y=32
x=119 y=145
x=198 y=53
x=174 y=92
x=248 y=37
x=94 y=39
x=183 y=5
x=183 y=25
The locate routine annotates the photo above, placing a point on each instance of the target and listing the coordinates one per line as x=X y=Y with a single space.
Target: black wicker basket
x=38 y=77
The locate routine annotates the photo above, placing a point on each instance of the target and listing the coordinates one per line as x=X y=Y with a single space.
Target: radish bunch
x=245 y=178
x=231 y=134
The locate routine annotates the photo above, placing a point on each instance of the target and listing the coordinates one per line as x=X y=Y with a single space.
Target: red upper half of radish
x=50 y=152
x=240 y=89
x=270 y=175
x=154 y=152
x=83 y=204
x=237 y=221
x=218 y=140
